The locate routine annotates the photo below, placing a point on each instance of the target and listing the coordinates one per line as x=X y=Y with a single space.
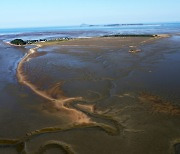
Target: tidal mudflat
x=89 y=96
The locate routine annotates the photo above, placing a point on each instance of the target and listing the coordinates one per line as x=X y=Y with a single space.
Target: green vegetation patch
x=18 y=42
x=131 y=35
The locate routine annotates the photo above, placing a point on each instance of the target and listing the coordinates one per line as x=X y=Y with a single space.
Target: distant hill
x=123 y=25
x=111 y=25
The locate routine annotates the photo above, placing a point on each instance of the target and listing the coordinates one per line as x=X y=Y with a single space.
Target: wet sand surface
x=118 y=102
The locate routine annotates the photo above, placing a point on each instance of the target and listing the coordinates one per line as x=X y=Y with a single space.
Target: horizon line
x=56 y=26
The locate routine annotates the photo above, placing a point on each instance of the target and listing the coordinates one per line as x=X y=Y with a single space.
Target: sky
x=44 y=13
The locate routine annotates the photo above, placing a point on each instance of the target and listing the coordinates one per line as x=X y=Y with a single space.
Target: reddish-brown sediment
x=157 y=104
x=77 y=116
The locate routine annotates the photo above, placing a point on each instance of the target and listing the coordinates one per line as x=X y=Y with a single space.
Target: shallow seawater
x=131 y=90
x=19 y=107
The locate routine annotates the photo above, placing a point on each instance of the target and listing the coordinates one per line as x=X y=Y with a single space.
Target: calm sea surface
x=89 y=31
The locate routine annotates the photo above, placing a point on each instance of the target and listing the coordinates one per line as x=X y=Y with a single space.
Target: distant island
x=111 y=25
x=114 y=25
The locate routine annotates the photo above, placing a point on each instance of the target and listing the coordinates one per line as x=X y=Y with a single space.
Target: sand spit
x=58 y=103
x=83 y=118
